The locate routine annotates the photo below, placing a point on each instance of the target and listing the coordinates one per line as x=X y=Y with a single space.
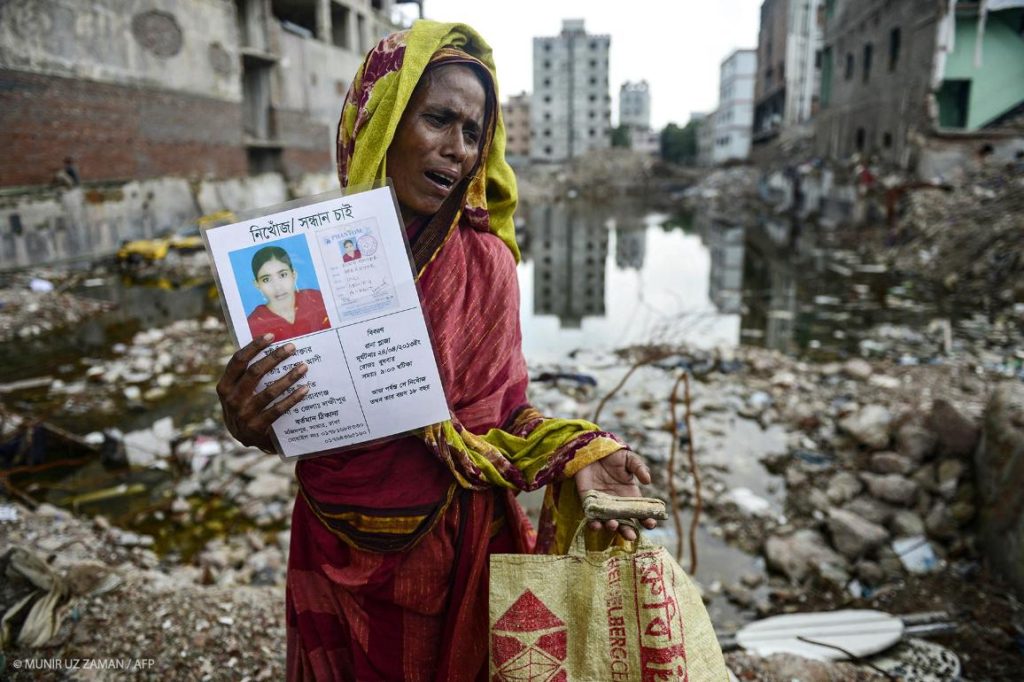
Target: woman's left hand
x=616 y=474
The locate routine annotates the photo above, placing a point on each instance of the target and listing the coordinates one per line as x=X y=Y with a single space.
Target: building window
x=887 y=140
x=859 y=139
x=593 y=132
x=953 y=98
x=547 y=132
x=894 y=48
x=547 y=99
x=547 y=64
x=593 y=80
x=849 y=66
x=593 y=97
x=593 y=63
x=547 y=151
x=868 y=51
x=547 y=47
x=547 y=82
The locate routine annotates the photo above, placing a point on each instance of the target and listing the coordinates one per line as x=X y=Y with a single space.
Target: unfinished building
x=135 y=89
x=922 y=84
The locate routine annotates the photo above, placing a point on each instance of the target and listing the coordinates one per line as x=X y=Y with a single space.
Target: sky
x=676 y=45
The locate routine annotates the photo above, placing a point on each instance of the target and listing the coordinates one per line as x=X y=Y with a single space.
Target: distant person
x=351 y=252
x=288 y=311
x=71 y=171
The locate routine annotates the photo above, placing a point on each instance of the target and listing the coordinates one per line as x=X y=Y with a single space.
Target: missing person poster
x=334 y=278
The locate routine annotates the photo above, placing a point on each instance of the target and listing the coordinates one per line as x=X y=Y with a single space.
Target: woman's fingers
x=279 y=386
x=636 y=466
x=271 y=414
x=239 y=362
x=258 y=369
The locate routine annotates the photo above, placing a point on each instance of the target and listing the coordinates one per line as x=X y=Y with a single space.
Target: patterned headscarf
x=379 y=96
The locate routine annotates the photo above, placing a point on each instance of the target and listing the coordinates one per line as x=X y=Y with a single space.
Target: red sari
x=418 y=613
x=387 y=572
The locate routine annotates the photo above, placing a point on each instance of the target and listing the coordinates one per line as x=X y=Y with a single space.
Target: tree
x=620 y=137
x=679 y=145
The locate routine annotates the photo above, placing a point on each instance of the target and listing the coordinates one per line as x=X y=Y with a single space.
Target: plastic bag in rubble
x=619 y=615
x=35 y=618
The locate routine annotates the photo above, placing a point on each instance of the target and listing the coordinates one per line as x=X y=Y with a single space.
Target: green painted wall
x=998 y=85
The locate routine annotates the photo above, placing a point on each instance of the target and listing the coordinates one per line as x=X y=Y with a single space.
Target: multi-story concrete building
x=635 y=105
x=137 y=89
x=787 y=65
x=919 y=86
x=735 y=114
x=705 y=138
x=516 y=113
x=571 y=108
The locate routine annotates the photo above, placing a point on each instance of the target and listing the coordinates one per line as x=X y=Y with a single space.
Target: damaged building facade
x=922 y=86
x=139 y=89
x=169 y=109
x=788 y=72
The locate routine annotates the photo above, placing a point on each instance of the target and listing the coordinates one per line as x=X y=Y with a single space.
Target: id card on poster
x=333 y=276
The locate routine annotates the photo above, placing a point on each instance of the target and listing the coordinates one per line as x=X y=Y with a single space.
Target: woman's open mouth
x=442 y=179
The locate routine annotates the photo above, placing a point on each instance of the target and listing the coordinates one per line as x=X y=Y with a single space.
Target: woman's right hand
x=248 y=414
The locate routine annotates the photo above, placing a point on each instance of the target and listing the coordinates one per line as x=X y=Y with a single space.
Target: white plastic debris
x=916 y=553
x=749 y=502
x=8 y=513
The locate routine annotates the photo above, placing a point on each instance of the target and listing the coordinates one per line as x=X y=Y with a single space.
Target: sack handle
x=578 y=546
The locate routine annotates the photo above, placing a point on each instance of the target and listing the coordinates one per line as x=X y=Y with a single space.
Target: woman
x=387 y=575
x=288 y=311
x=351 y=252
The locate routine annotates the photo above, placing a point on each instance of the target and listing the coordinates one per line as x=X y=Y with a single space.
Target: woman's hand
x=616 y=474
x=247 y=414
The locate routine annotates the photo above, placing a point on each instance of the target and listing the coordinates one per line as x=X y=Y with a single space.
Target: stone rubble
x=864 y=478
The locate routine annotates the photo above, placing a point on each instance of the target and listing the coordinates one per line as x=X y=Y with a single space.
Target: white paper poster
x=334 y=278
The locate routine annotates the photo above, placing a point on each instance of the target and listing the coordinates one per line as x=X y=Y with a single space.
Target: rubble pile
x=968 y=238
x=729 y=191
x=823 y=486
x=28 y=311
x=600 y=175
x=102 y=600
x=184 y=353
x=868 y=501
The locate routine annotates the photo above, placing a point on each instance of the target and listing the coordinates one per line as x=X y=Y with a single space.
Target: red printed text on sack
x=617 y=654
x=662 y=648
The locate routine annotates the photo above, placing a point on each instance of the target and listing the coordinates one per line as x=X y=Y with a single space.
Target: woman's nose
x=456 y=146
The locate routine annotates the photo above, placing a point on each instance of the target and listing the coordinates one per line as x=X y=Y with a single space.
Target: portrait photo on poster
x=279 y=289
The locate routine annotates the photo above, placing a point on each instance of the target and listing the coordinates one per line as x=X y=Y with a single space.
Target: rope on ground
x=672 y=468
x=698 y=500
x=684 y=378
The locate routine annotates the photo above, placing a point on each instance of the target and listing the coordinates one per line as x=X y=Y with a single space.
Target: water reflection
x=796 y=295
x=569 y=248
x=602 y=278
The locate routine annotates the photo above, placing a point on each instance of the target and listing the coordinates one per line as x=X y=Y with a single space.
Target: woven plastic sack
x=617 y=615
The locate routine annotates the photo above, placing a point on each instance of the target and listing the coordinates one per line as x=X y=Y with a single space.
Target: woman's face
x=350 y=248
x=276 y=281
x=438 y=139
